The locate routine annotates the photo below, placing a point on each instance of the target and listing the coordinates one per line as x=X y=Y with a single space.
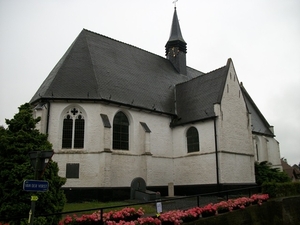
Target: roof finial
x=174 y=2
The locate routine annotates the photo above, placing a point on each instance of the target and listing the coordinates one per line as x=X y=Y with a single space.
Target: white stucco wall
x=196 y=167
x=160 y=170
x=100 y=168
x=161 y=157
x=262 y=145
x=166 y=159
x=274 y=152
x=234 y=125
x=267 y=150
x=42 y=112
x=90 y=169
x=235 y=150
x=235 y=168
x=206 y=138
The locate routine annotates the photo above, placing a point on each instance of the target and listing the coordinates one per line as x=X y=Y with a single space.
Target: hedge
x=281 y=189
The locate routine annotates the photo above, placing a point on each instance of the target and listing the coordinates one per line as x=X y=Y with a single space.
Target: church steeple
x=176 y=46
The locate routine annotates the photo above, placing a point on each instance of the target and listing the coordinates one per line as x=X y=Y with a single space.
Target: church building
x=115 y=112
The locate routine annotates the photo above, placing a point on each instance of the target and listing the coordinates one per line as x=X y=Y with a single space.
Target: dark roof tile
x=96 y=67
x=259 y=123
x=195 y=98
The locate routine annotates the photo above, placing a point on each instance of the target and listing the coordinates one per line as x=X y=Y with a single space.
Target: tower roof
x=175 y=34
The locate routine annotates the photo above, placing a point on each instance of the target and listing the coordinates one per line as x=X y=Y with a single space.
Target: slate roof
x=195 y=98
x=259 y=124
x=98 y=68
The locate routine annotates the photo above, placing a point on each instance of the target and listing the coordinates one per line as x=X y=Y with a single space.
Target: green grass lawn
x=149 y=208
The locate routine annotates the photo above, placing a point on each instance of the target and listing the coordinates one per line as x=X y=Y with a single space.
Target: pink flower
x=122 y=217
x=149 y=221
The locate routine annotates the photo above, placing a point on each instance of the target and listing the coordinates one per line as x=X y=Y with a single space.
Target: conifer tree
x=265 y=173
x=16 y=141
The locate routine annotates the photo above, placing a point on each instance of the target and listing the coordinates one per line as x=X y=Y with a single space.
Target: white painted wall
x=41 y=112
x=160 y=170
x=161 y=157
x=98 y=168
x=234 y=128
x=206 y=138
x=235 y=168
x=274 y=153
x=268 y=150
x=168 y=162
x=196 y=167
x=236 y=157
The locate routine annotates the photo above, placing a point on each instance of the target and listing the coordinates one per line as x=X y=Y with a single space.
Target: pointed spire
x=175 y=34
x=176 y=46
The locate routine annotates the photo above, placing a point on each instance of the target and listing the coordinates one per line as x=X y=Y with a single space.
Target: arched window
x=192 y=138
x=121 y=132
x=257 y=144
x=73 y=129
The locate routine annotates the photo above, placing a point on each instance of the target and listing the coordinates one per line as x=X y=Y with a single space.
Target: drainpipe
x=216 y=151
x=48 y=116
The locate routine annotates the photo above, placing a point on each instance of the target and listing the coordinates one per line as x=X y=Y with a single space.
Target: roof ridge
x=195 y=69
x=123 y=42
x=203 y=74
x=215 y=70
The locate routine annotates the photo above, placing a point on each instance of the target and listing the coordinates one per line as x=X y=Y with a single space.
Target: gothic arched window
x=192 y=138
x=120 y=131
x=73 y=129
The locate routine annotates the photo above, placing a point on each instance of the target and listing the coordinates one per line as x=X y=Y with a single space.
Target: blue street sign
x=35 y=185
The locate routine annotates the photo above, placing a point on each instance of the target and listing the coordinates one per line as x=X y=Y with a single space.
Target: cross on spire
x=174 y=2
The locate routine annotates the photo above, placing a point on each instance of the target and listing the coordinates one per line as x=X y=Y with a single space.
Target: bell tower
x=176 y=47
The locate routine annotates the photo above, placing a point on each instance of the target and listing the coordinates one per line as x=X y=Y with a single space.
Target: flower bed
x=126 y=214
x=131 y=216
x=110 y=218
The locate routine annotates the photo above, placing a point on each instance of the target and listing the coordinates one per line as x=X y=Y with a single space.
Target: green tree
x=16 y=141
x=265 y=173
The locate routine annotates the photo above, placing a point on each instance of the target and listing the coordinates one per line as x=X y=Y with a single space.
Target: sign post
x=35 y=185
x=39 y=161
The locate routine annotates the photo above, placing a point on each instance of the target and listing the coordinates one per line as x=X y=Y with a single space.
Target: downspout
x=48 y=116
x=216 y=151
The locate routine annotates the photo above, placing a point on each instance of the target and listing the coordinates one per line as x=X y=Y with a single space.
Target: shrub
x=281 y=189
x=265 y=173
x=17 y=141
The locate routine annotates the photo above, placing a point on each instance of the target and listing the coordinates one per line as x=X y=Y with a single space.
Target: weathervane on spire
x=174 y=2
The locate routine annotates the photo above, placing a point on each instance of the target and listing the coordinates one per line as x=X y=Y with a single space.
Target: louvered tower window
x=73 y=129
x=120 y=132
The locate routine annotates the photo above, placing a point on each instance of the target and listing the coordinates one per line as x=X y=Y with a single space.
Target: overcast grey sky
x=261 y=36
